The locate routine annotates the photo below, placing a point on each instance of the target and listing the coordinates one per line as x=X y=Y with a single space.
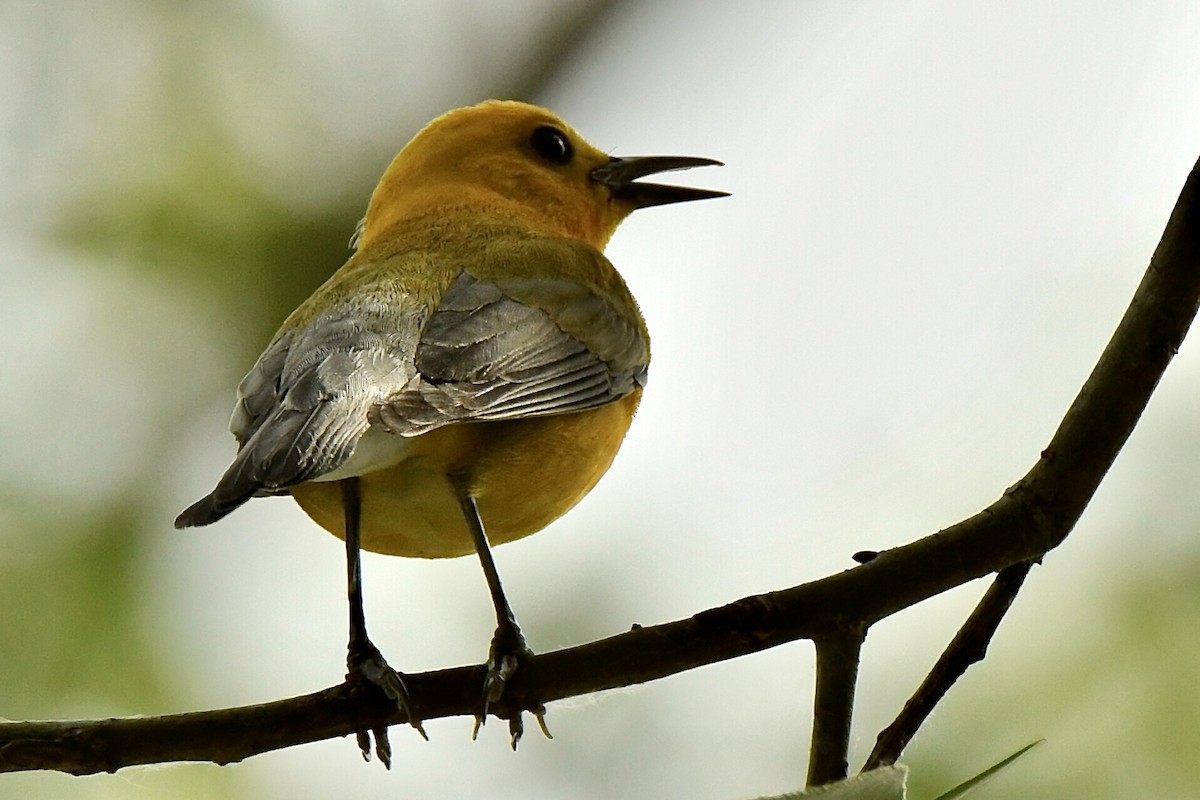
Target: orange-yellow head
x=519 y=161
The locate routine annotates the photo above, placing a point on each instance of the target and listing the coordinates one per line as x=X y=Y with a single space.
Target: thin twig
x=833 y=704
x=967 y=647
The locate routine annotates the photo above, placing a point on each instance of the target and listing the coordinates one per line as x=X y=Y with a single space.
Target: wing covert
x=517 y=348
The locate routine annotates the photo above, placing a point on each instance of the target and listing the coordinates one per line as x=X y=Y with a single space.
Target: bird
x=468 y=375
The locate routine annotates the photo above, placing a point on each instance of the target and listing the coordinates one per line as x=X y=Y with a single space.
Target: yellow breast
x=523 y=474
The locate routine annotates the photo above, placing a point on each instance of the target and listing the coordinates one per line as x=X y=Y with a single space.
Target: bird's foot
x=368 y=673
x=506 y=654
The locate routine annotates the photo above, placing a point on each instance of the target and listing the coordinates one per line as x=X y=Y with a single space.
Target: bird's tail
x=235 y=488
x=289 y=447
x=210 y=508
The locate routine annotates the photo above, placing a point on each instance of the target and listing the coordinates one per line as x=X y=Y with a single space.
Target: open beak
x=620 y=176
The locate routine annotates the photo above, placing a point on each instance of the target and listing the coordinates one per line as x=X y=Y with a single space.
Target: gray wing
x=490 y=351
x=304 y=405
x=517 y=348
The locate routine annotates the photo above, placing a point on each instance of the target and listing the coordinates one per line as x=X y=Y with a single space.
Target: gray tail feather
x=232 y=491
x=271 y=461
x=209 y=509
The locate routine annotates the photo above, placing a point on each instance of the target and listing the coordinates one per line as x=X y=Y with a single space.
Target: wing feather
x=492 y=350
x=485 y=355
x=303 y=407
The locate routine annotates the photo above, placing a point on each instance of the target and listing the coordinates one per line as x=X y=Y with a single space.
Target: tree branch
x=967 y=647
x=833 y=704
x=1031 y=518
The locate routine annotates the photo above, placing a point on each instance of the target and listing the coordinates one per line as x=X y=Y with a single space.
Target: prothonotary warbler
x=473 y=367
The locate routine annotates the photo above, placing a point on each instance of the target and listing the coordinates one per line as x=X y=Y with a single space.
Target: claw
x=540 y=714
x=516 y=729
x=368 y=667
x=377 y=672
x=507 y=651
x=504 y=658
x=383 y=747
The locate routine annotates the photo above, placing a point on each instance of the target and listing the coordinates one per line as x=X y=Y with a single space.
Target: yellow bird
x=474 y=366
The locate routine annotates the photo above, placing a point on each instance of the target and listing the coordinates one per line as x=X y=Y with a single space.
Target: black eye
x=551 y=144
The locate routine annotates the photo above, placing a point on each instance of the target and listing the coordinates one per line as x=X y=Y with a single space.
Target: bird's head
x=521 y=161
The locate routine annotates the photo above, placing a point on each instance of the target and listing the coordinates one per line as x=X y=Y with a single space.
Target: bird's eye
x=552 y=144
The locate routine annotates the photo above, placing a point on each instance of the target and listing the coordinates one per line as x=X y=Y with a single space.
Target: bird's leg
x=364 y=663
x=508 y=647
